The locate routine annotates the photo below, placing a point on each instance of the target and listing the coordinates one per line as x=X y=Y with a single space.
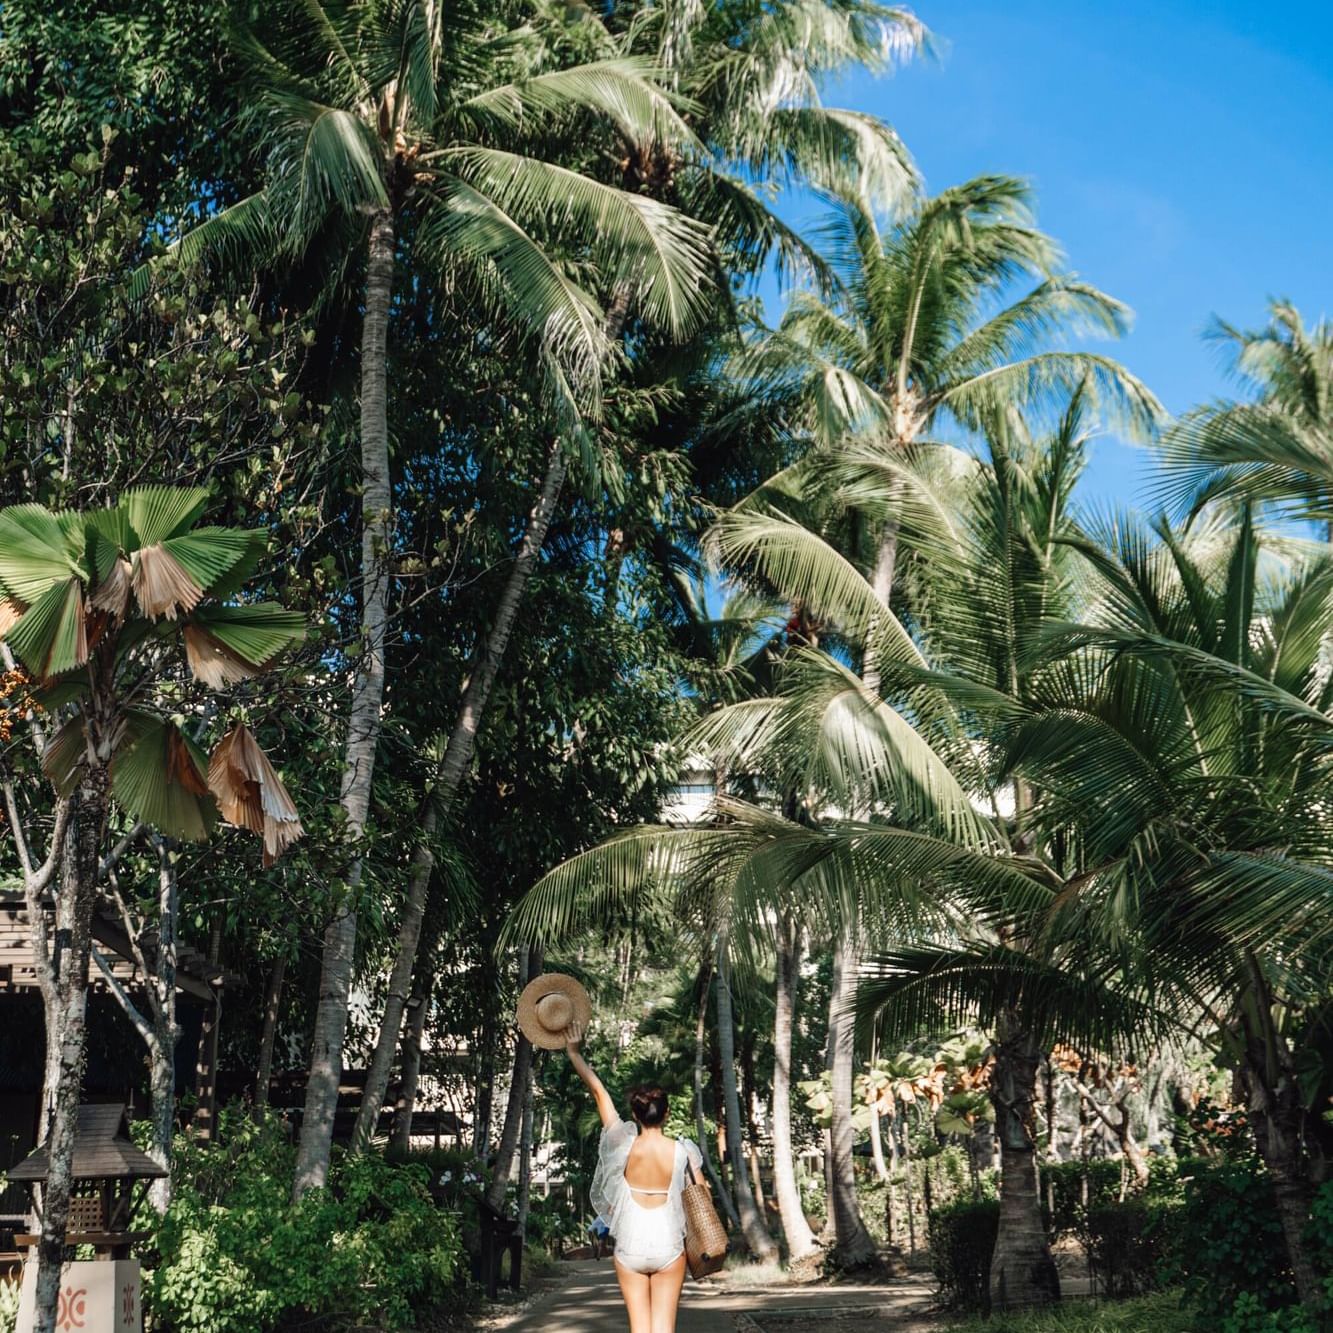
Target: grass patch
x=741 y=1272
x=1161 y=1313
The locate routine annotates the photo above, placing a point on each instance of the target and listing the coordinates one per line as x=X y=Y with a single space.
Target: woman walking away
x=637 y=1188
x=640 y=1172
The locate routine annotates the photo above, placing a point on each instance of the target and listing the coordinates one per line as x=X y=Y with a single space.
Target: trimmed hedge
x=962 y=1240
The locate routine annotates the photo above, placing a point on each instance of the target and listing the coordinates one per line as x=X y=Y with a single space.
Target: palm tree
x=925 y=332
x=92 y=603
x=1278 y=448
x=747 y=84
x=381 y=117
x=990 y=567
x=1033 y=990
x=1185 y=748
x=915 y=343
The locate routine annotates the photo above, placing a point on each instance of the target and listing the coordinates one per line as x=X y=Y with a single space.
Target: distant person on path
x=637 y=1189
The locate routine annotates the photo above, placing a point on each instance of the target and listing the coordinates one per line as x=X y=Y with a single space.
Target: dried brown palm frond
x=250 y=794
x=162 y=585
x=10 y=611
x=212 y=662
x=113 y=593
x=182 y=767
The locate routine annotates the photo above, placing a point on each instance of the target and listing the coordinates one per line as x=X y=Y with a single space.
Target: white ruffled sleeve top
x=610 y=1191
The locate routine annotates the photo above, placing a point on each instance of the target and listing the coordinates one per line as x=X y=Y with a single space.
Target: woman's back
x=650 y=1169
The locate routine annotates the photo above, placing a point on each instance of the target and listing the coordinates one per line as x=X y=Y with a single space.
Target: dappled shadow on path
x=588 y=1301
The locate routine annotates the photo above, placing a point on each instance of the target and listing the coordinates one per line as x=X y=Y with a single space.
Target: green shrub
x=9 y=1305
x=1129 y=1245
x=1062 y=1191
x=1250 y=1315
x=1235 y=1246
x=1162 y=1313
x=962 y=1240
x=236 y=1255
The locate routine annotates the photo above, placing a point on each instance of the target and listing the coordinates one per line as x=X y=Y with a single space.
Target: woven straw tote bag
x=705 y=1236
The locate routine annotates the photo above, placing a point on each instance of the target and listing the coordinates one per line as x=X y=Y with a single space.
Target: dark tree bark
x=720 y=1191
x=268 y=1039
x=1023 y=1272
x=756 y=1235
x=418 y=1010
x=67 y=1016
x=507 y=1149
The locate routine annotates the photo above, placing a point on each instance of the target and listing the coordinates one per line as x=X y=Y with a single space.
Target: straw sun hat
x=552 y=1009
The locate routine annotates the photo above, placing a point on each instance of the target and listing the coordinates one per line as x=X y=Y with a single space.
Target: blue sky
x=1180 y=153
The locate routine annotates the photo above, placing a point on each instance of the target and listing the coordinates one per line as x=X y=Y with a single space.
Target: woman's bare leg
x=665 y=1286
x=634 y=1287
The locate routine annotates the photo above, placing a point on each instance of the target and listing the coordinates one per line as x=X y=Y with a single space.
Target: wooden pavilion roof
x=102 y=1150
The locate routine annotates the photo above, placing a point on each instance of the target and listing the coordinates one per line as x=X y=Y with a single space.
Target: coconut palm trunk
x=853 y=1245
x=711 y=1169
x=1278 y=1117
x=800 y=1239
x=363 y=723
x=448 y=780
x=756 y=1235
x=1023 y=1272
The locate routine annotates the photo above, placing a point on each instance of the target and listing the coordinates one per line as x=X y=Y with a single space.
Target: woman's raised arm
x=606 y=1108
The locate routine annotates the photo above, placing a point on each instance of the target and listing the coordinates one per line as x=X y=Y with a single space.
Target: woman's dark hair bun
x=649 y=1105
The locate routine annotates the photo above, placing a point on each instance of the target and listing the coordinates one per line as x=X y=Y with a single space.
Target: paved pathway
x=588 y=1301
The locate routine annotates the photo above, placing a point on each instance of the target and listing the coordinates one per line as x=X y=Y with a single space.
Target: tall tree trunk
x=166 y=1030
x=530 y=966
x=268 y=1039
x=506 y=1149
x=485 y=1100
x=1277 y=1117
x=853 y=1245
x=876 y=1137
x=800 y=1239
x=363 y=722
x=756 y=1235
x=1023 y=1272
x=700 y=1128
x=448 y=779
x=409 y=1061
x=75 y=901
x=525 y=1151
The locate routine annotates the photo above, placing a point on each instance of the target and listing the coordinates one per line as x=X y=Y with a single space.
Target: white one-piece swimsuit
x=649 y=1236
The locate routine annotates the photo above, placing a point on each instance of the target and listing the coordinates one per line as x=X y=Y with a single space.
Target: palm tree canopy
x=112 y=586
x=430 y=110
x=926 y=328
x=1277 y=448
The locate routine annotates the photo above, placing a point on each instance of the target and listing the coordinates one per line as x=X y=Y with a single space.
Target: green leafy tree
x=94 y=601
x=384 y=118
